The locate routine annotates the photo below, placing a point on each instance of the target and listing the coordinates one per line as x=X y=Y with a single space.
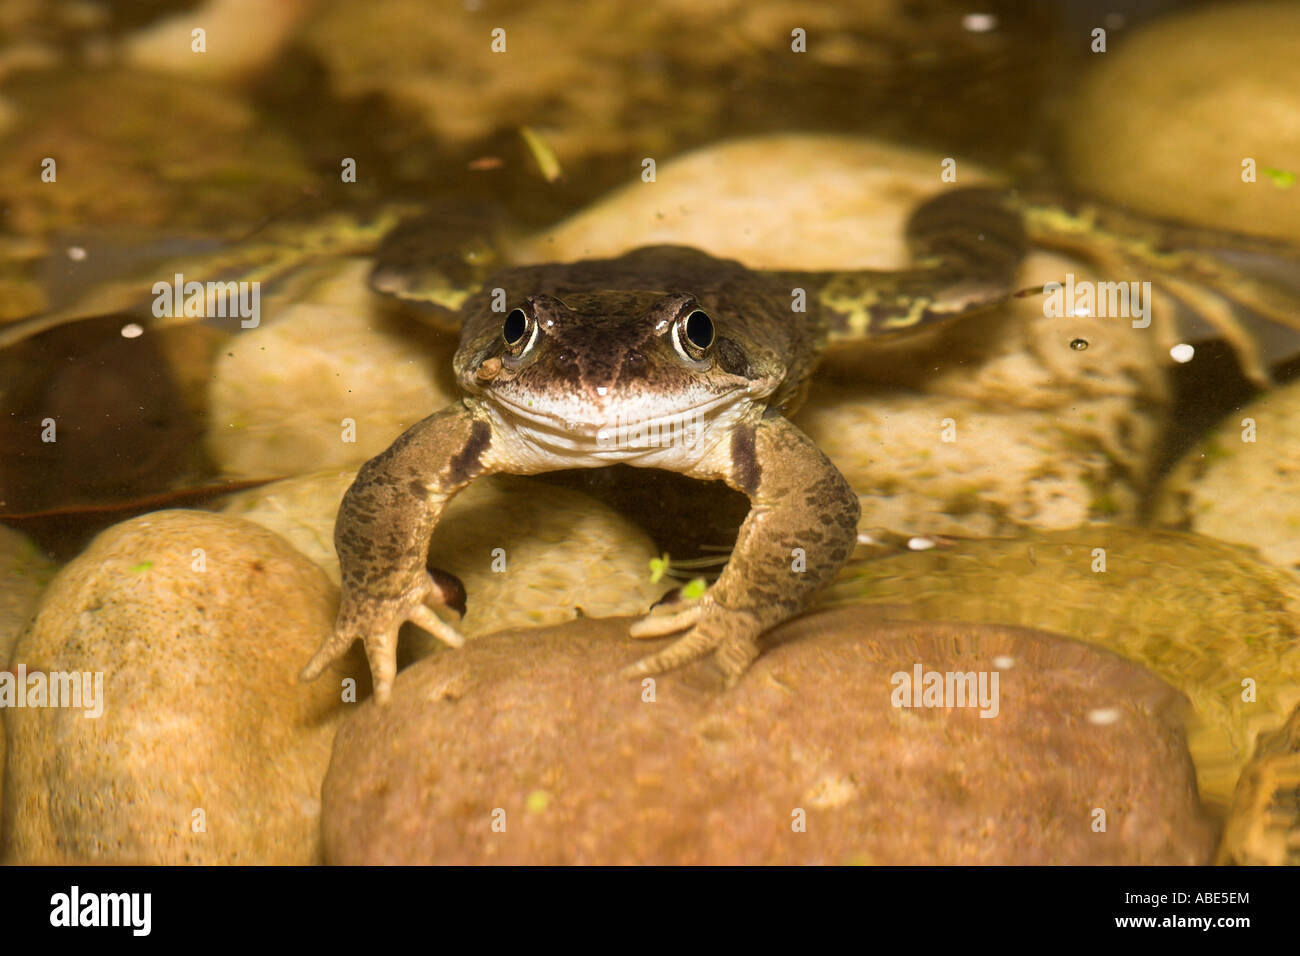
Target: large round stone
x=1241 y=483
x=524 y=748
x=1165 y=120
x=199 y=745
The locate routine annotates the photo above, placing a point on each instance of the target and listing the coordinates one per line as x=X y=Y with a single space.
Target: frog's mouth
x=629 y=429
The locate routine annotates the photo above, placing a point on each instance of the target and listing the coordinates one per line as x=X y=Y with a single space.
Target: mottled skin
x=582 y=357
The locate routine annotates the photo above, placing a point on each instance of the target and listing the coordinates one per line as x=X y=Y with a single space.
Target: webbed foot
x=377 y=622
x=730 y=635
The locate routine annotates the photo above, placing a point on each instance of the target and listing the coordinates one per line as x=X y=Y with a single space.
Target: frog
x=664 y=357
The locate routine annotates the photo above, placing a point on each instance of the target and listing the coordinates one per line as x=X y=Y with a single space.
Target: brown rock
x=1202 y=615
x=201 y=707
x=1241 y=483
x=531 y=727
x=24 y=571
x=1235 y=99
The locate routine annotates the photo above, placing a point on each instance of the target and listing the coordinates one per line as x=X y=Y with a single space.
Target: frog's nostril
x=635 y=358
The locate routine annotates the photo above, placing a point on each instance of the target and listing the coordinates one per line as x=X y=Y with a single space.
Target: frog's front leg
x=799 y=532
x=382 y=538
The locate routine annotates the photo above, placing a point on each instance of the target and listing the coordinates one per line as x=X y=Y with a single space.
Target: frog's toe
x=381 y=653
x=731 y=636
x=438 y=590
x=665 y=619
x=423 y=617
x=734 y=655
x=334 y=647
x=692 y=647
x=378 y=621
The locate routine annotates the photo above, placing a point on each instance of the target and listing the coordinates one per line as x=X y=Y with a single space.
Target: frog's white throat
x=634 y=433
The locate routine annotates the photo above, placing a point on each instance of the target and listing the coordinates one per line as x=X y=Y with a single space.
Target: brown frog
x=665 y=357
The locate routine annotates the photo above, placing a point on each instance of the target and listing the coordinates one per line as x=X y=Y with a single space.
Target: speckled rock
x=24 y=571
x=532 y=731
x=994 y=424
x=1242 y=483
x=565 y=555
x=203 y=721
x=281 y=392
x=1208 y=618
x=1165 y=118
x=806 y=201
x=1003 y=472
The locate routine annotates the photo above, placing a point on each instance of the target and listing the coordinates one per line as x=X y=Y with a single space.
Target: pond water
x=239 y=244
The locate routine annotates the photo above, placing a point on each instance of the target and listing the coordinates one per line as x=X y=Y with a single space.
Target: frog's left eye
x=519 y=332
x=693 y=334
x=516 y=327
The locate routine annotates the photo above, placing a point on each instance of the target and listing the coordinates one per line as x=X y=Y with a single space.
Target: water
x=138 y=157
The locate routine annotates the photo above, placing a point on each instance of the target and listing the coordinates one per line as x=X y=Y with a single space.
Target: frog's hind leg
x=1219 y=313
x=1191 y=264
x=966 y=246
x=1264 y=824
x=280 y=253
x=1167 y=293
x=1224 y=294
x=439 y=259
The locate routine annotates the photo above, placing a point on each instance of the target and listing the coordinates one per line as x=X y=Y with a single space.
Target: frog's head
x=592 y=371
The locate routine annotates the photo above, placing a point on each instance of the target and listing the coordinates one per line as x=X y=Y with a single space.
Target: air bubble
x=979 y=22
